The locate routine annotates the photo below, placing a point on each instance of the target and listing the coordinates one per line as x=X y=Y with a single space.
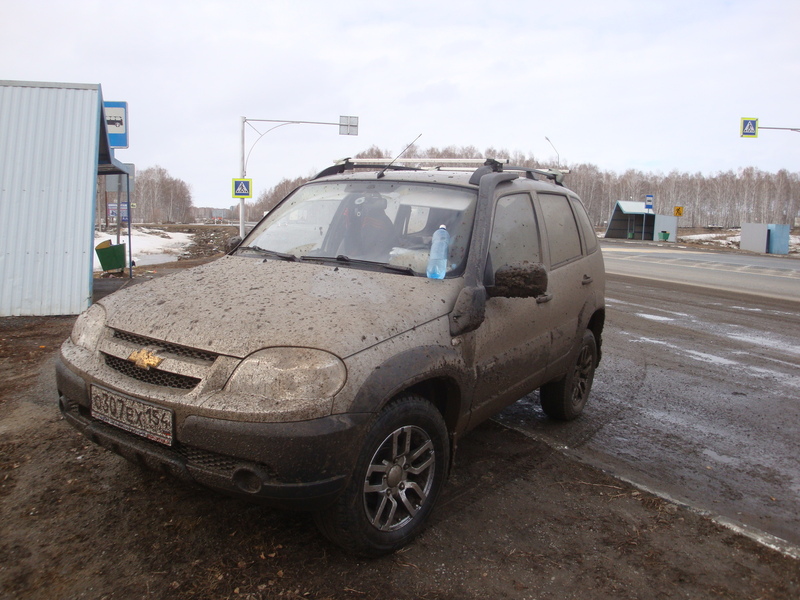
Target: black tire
x=398 y=476
x=564 y=399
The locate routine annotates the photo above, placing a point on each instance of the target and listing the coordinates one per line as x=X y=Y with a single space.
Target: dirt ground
x=517 y=520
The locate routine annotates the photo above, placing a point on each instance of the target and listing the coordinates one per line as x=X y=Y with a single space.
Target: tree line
x=158 y=198
x=725 y=199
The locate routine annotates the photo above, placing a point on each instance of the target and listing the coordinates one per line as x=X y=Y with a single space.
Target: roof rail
x=428 y=161
x=555 y=175
x=348 y=164
x=487 y=165
x=491 y=165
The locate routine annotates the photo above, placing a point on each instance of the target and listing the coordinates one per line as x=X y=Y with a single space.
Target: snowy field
x=150 y=246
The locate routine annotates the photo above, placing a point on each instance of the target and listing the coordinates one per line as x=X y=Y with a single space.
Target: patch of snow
x=610 y=300
x=783 y=378
x=765 y=342
x=701 y=237
x=654 y=317
x=149 y=246
x=702 y=356
x=710 y=358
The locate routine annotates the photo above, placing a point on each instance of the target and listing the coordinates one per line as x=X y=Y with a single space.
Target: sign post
x=348 y=125
x=749 y=128
x=242 y=188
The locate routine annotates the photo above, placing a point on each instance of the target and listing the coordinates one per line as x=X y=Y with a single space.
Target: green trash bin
x=663 y=236
x=112 y=257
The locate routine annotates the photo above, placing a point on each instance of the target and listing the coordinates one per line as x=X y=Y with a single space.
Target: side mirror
x=232 y=243
x=469 y=310
x=521 y=280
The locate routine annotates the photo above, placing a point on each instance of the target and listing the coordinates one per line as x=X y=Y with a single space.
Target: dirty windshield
x=358 y=223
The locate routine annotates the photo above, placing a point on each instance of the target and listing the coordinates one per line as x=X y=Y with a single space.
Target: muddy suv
x=316 y=366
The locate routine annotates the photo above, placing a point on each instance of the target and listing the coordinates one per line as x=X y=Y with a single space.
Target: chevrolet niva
x=333 y=359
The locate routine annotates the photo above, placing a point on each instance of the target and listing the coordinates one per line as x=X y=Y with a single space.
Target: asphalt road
x=771 y=276
x=698 y=394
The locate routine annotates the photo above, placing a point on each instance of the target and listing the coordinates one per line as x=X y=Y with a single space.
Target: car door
x=512 y=344
x=569 y=276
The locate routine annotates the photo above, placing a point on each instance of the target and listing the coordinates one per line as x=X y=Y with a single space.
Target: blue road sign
x=242 y=188
x=749 y=128
x=116 y=115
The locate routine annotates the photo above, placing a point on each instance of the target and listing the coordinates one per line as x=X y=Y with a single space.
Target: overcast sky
x=622 y=84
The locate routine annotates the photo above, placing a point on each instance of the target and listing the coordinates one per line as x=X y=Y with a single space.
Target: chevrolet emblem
x=144 y=359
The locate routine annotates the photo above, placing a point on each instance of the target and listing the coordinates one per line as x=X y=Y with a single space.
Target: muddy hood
x=238 y=305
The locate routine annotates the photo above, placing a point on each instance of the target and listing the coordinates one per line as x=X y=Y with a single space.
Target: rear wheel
x=398 y=476
x=564 y=399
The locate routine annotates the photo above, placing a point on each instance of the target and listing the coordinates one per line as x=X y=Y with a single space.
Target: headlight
x=289 y=374
x=89 y=327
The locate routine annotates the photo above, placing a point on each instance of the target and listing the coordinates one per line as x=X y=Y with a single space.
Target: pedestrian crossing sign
x=749 y=128
x=242 y=188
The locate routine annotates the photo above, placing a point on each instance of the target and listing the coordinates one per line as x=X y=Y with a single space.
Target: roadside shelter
x=765 y=238
x=631 y=220
x=53 y=145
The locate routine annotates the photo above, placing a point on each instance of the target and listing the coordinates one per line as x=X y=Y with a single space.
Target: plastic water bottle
x=440 y=250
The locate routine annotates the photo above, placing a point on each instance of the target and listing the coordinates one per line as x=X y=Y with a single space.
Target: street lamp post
x=348 y=125
x=558 y=156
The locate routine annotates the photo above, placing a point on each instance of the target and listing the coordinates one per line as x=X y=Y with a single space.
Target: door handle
x=587 y=280
x=544 y=298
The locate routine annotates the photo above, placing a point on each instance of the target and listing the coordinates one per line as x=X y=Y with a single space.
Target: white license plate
x=147 y=420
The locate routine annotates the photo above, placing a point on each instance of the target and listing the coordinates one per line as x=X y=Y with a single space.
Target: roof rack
x=348 y=164
x=486 y=165
x=428 y=161
x=555 y=175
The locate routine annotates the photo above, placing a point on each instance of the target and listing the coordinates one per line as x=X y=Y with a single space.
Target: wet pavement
x=697 y=399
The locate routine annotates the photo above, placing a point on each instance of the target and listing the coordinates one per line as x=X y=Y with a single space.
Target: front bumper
x=301 y=465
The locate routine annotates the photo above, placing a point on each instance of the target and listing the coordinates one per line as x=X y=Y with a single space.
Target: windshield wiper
x=397 y=268
x=342 y=259
x=275 y=253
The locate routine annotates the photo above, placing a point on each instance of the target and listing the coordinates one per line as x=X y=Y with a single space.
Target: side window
x=515 y=236
x=562 y=230
x=589 y=236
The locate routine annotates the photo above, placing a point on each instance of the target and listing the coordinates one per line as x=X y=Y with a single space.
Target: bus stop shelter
x=53 y=145
x=631 y=220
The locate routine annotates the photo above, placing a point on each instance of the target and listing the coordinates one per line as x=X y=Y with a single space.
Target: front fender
x=413 y=367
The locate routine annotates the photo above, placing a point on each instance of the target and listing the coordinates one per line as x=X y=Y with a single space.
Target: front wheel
x=399 y=473
x=564 y=399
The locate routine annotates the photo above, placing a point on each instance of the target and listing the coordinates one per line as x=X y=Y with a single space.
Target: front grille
x=165 y=347
x=152 y=376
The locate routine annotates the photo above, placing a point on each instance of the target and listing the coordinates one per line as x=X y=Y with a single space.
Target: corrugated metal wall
x=48 y=172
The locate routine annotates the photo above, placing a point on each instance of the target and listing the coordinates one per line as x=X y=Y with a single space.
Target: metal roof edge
x=629 y=207
x=49 y=84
